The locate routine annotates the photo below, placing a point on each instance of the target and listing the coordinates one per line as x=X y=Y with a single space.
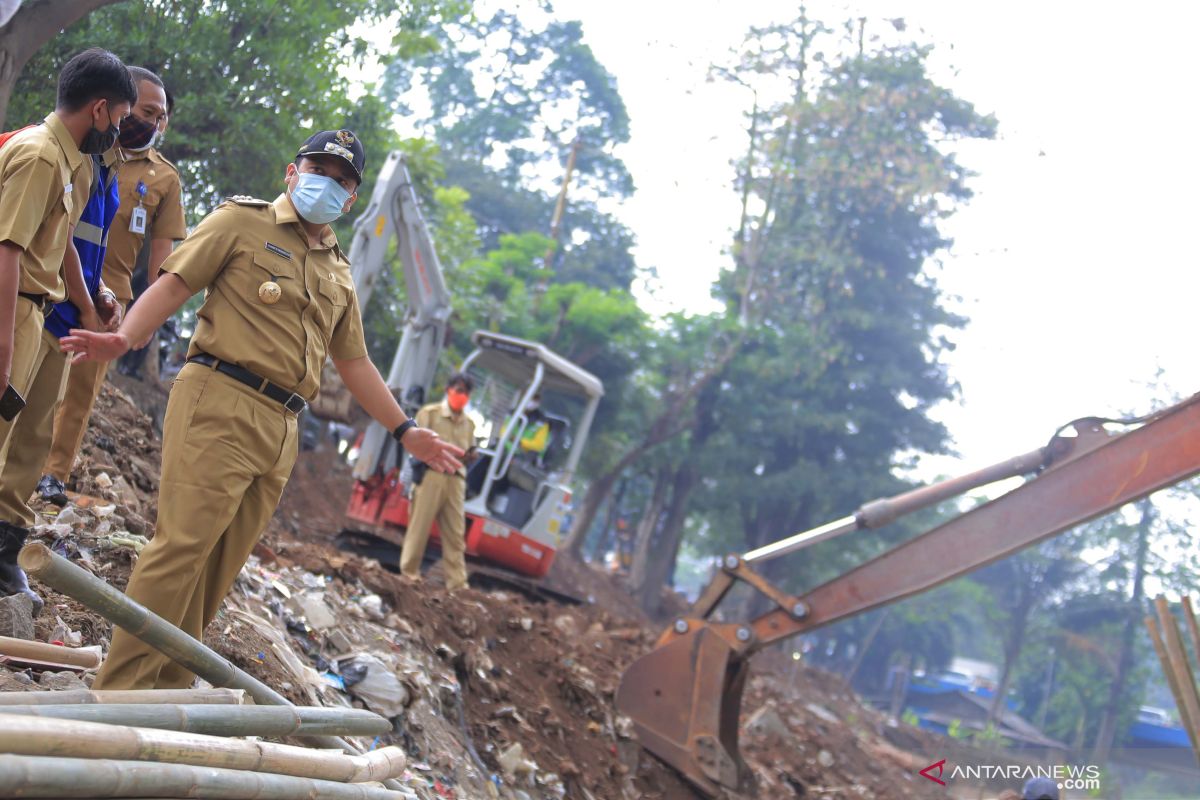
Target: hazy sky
x=1074 y=261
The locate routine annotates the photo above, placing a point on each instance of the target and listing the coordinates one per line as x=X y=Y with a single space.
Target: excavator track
x=482 y=574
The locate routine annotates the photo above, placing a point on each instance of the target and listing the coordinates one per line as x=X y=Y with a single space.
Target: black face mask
x=136 y=134
x=96 y=141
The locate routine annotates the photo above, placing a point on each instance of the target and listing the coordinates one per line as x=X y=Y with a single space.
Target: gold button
x=269 y=292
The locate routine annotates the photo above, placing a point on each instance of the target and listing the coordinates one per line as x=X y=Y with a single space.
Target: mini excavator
x=684 y=697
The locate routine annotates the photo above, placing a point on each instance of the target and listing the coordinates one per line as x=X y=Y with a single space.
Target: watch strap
x=403 y=428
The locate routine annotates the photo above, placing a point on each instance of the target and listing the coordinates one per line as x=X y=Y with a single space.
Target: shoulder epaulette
x=160 y=158
x=247 y=200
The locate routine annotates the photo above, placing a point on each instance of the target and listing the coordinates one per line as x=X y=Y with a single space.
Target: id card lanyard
x=137 y=220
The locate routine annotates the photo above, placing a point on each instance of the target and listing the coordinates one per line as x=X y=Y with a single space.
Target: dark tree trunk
x=660 y=569
x=1107 y=733
x=34 y=24
x=646 y=531
x=1013 y=645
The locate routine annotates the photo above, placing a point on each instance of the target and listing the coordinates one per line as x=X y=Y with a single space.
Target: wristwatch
x=403 y=428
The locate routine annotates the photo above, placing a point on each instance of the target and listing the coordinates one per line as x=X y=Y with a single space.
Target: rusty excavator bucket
x=685 y=700
x=684 y=697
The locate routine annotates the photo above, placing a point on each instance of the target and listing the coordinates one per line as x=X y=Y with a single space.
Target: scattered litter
x=378 y=687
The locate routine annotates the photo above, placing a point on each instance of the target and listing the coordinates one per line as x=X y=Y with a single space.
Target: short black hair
x=94 y=74
x=462 y=380
x=170 y=101
x=140 y=74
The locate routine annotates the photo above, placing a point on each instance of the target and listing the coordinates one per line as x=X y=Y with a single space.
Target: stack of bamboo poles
x=1168 y=643
x=173 y=743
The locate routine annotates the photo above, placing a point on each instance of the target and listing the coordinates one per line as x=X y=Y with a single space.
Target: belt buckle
x=296 y=400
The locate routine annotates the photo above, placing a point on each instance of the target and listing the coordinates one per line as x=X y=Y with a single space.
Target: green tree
x=841 y=322
x=251 y=79
x=508 y=95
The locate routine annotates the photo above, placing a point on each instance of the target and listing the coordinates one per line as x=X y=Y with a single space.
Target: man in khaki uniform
x=441 y=496
x=150 y=215
x=45 y=172
x=279 y=298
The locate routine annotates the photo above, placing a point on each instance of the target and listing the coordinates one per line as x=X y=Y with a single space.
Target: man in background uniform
x=279 y=298
x=150 y=217
x=45 y=173
x=132 y=363
x=441 y=496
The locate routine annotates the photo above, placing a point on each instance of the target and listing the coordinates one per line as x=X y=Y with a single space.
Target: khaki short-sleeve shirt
x=458 y=429
x=44 y=184
x=233 y=254
x=163 y=204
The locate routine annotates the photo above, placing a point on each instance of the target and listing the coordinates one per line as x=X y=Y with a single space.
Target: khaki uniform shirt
x=457 y=429
x=164 y=214
x=239 y=247
x=44 y=183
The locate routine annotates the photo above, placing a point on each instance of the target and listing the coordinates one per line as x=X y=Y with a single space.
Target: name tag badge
x=137 y=221
x=67 y=189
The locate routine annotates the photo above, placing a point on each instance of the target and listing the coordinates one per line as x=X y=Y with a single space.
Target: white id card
x=137 y=221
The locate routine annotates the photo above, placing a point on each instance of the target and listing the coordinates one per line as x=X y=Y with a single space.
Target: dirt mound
x=491 y=694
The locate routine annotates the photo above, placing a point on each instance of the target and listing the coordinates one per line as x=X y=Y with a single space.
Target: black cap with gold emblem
x=342 y=143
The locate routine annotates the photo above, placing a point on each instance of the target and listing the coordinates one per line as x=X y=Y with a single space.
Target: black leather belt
x=289 y=400
x=38 y=300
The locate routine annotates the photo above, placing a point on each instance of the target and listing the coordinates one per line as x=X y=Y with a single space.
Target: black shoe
x=52 y=490
x=12 y=577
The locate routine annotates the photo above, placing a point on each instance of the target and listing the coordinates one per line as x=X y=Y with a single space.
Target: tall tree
x=508 y=96
x=845 y=183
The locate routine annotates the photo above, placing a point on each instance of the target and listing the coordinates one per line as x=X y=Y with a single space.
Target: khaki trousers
x=39 y=372
x=227 y=454
x=439 y=497
x=71 y=421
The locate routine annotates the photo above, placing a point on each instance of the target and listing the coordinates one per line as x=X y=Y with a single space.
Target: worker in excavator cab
x=441 y=496
x=278 y=300
x=534 y=438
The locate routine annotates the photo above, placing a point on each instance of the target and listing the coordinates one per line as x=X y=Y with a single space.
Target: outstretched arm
x=145 y=317
x=366 y=384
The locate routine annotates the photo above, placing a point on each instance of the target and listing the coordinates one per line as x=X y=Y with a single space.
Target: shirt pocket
x=334 y=297
x=284 y=274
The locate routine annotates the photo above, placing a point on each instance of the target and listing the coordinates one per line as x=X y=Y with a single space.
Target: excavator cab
x=518 y=492
x=533 y=410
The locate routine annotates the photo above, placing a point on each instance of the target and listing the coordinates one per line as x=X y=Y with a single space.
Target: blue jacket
x=91 y=240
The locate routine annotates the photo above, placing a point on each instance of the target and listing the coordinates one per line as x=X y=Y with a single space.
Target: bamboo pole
x=58 y=573
x=232 y=697
x=34 y=736
x=1181 y=667
x=220 y=720
x=57 y=654
x=45 y=776
x=1173 y=683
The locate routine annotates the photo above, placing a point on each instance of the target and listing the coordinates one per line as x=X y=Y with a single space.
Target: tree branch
x=36 y=22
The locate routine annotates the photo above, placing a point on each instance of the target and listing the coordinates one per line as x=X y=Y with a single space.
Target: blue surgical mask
x=318 y=198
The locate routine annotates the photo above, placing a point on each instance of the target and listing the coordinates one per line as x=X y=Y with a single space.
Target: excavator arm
x=684 y=697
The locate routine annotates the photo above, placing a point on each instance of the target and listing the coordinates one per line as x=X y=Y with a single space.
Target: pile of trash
x=490 y=694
